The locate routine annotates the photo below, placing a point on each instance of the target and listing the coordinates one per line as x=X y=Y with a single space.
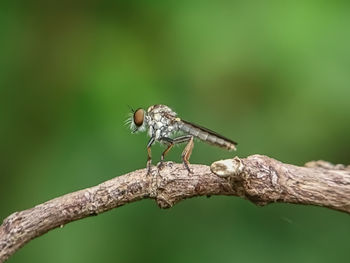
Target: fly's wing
x=207 y=135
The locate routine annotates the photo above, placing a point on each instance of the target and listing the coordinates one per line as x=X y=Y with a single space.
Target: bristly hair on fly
x=131 y=108
x=129 y=120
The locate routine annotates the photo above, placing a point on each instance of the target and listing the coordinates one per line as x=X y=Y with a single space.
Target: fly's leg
x=149 y=156
x=170 y=144
x=186 y=154
x=149 y=160
x=187 y=151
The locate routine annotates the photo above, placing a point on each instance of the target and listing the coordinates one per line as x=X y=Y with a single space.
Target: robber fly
x=162 y=124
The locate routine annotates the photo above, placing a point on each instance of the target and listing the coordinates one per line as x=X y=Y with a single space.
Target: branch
x=258 y=178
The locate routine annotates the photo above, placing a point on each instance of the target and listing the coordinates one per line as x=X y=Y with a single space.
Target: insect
x=163 y=124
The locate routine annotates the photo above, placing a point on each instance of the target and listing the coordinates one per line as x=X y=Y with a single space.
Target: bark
x=258 y=178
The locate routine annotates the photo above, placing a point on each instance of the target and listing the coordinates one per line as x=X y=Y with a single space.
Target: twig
x=258 y=178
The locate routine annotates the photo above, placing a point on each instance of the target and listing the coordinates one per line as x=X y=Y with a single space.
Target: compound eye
x=138 y=117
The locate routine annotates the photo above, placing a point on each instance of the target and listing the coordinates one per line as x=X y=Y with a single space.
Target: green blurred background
x=272 y=75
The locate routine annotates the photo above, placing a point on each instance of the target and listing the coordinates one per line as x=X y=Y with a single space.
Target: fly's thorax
x=159 y=108
x=161 y=121
x=159 y=130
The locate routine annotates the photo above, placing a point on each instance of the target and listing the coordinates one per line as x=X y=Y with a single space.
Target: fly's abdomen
x=207 y=135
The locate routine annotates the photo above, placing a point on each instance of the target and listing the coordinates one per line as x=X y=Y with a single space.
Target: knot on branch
x=228 y=168
x=256 y=178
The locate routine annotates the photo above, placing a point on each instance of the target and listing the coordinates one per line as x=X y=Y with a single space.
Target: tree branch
x=257 y=178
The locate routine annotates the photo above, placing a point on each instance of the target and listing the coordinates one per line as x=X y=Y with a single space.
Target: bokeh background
x=272 y=75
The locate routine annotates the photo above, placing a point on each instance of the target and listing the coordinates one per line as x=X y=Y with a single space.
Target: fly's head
x=137 y=120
